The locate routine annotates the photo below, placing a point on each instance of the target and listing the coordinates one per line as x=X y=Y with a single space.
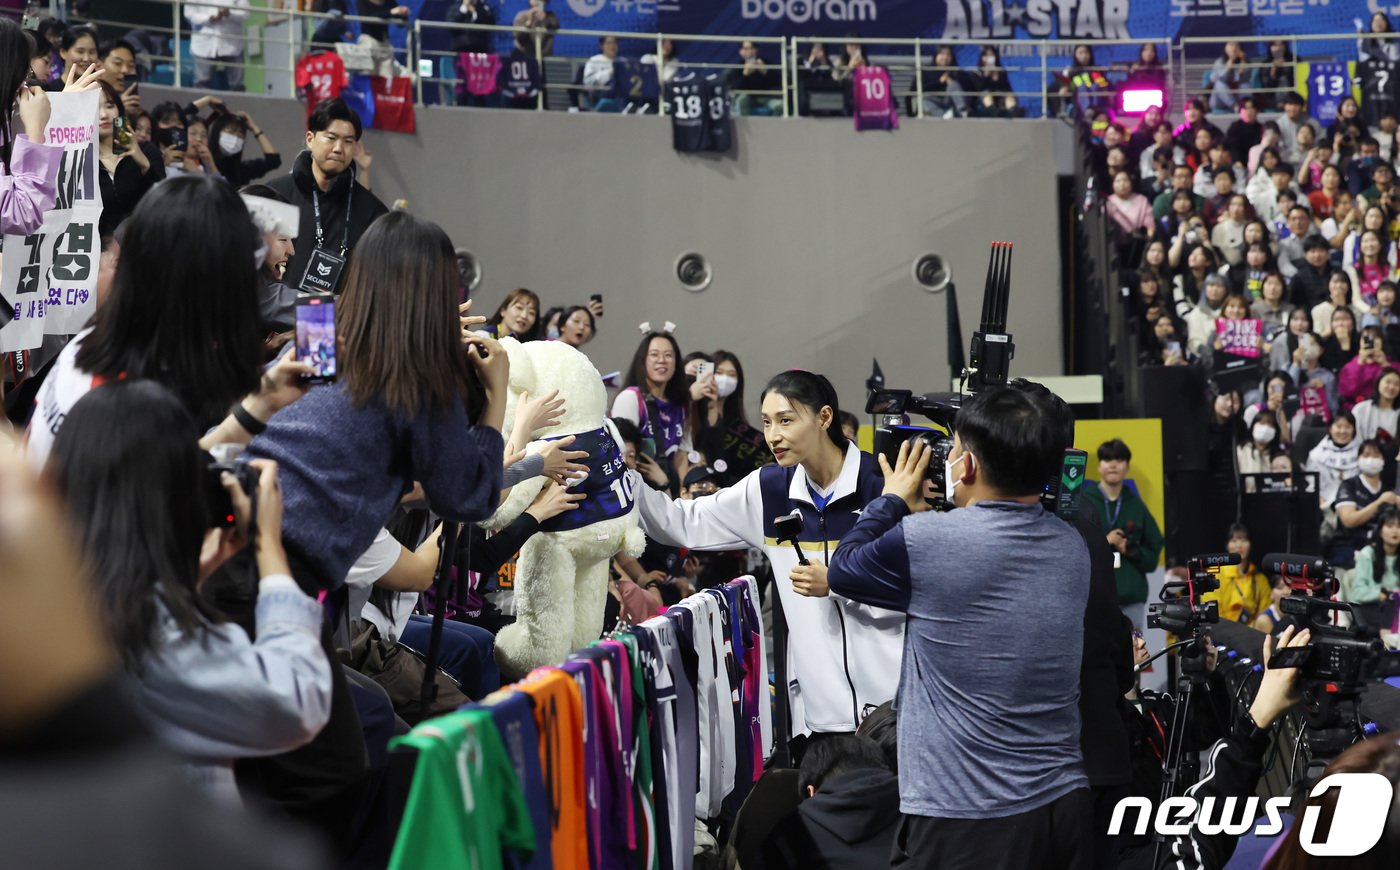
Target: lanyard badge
x=324 y=268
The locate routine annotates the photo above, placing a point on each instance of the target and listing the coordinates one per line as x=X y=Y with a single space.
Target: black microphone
x=1217 y=560
x=788 y=528
x=1294 y=566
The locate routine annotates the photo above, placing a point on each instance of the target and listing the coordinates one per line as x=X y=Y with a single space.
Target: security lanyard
x=316 y=207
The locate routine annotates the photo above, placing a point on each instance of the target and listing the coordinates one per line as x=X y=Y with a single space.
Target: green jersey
x=465 y=805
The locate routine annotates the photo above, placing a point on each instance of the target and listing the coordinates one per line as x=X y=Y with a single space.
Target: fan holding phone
x=414 y=401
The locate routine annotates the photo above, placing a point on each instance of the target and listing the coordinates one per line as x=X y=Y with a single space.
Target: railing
x=274 y=39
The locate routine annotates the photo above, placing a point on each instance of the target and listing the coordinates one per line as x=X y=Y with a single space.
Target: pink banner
x=1313 y=401
x=1239 y=337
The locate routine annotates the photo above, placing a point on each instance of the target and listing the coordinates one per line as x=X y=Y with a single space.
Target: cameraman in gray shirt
x=988 y=693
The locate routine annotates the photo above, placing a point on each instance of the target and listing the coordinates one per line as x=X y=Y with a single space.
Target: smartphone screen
x=316 y=337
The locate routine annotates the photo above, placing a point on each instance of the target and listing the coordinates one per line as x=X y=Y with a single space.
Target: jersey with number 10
x=685 y=96
x=607 y=489
x=874 y=104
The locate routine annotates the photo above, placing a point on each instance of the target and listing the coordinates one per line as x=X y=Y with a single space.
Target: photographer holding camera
x=1001 y=782
x=134 y=482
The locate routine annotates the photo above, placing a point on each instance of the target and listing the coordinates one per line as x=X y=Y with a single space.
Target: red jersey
x=320 y=77
x=393 y=103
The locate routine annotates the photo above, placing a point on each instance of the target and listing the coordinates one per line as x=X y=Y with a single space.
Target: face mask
x=1370 y=465
x=1264 y=434
x=230 y=143
x=948 y=475
x=726 y=385
x=551 y=333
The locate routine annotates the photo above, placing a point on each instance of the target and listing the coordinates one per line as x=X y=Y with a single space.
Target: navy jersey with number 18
x=685 y=99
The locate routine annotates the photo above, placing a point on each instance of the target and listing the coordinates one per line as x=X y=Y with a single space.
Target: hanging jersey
x=685 y=100
x=465 y=805
x=684 y=752
x=478 y=72
x=719 y=133
x=1378 y=89
x=515 y=723
x=393 y=103
x=609 y=818
x=627 y=82
x=874 y=101
x=642 y=777
x=1328 y=84
x=559 y=718
x=358 y=94
x=520 y=77
x=607 y=489
x=320 y=77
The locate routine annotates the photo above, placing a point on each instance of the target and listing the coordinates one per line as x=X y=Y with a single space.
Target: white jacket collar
x=845 y=481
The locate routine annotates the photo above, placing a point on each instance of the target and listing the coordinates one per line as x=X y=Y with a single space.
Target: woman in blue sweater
x=417 y=401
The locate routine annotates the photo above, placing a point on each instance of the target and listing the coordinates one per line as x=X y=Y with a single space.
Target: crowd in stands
x=1262 y=249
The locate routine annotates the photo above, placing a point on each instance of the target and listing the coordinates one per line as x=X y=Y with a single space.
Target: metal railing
x=1036 y=82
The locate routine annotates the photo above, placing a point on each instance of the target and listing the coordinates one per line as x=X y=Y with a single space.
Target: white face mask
x=950 y=478
x=1263 y=434
x=726 y=385
x=551 y=332
x=230 y=143
x=1370 y=465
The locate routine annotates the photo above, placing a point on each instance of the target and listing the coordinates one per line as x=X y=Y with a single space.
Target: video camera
x=1181 y=612
x=988 y=366
x=1338 y=663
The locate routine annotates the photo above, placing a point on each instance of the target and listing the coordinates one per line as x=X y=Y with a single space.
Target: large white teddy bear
x=561 y=579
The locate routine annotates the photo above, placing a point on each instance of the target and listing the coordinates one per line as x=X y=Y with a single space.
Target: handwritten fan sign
x=1239 y=337
x=49 y=278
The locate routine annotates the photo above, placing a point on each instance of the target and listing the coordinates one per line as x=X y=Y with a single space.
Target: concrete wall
x=811 y=229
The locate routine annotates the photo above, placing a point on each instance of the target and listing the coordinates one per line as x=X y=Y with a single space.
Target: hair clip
x=644 y=326
x=668 y=327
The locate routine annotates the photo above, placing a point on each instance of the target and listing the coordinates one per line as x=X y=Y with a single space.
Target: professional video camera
x=1338 y=663
x=1181 y=612
x=988 y=366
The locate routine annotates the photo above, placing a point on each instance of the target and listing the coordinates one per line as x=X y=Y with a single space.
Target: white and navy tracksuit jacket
x=842 y=656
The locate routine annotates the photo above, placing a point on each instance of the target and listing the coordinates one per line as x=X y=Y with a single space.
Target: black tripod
x=1180 y=768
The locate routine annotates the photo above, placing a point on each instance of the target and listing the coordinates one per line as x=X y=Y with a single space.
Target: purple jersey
x=607 y=490
x=874 y=101
x=606 y=822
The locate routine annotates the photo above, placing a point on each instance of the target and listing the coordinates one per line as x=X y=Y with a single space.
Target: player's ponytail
x=812 y=391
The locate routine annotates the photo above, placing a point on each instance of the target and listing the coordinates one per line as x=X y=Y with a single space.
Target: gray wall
x=811 y=229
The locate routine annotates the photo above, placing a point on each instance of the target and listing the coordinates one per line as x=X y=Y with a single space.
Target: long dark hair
x=733 y=408
x=18 y=46
x=398 y=317
x=813 y=392
x=183 y=310
x=1380 y=754
x=534 y=331
x=128 y=465
x=675 y=391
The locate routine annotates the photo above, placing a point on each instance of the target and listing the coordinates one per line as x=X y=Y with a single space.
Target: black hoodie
x=848 y=825
x=297 y=186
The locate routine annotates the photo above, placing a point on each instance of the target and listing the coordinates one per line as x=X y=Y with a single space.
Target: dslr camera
x=218 y=503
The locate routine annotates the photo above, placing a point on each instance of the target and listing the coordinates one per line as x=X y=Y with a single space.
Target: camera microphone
x=1290 y=565
x=1217 y=560
x=788 y=528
